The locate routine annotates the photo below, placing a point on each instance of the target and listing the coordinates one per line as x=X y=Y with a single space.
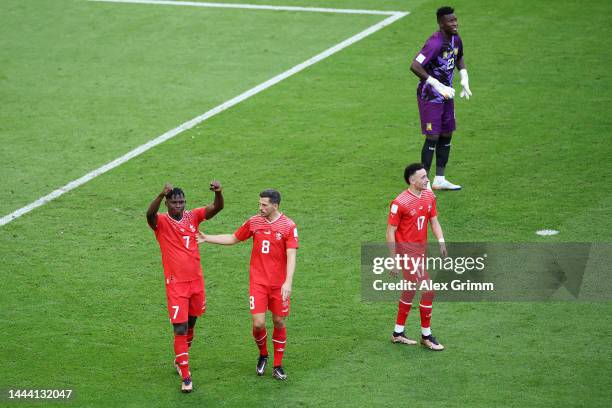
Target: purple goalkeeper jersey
x=438 y=56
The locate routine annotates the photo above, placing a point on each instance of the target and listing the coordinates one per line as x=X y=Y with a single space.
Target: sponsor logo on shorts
x=428 y=126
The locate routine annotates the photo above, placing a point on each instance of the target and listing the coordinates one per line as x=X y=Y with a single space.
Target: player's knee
x=259 y=323
x=279 y=322
x=192 y=321
x=445 y=139
x=180 y=328
x=407 y=296
x=432 y=138
x=428 y=296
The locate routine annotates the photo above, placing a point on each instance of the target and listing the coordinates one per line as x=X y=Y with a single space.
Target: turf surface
x=83 y=303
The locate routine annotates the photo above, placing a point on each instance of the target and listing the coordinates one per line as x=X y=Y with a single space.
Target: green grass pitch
x=82 y=299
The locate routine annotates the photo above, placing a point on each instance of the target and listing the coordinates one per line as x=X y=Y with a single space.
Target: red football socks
x=182 y=353
x=425 y=309
x=402 y=312
x=261 y=339
x=189 y=336
x=279 y=338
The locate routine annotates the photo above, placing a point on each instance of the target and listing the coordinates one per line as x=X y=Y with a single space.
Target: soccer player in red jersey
x=275 y=243
x=176 y=233
x=409 y=215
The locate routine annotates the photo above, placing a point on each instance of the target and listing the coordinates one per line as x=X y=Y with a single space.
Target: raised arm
x=216 y=206
x=154 y=206
x=291 y=259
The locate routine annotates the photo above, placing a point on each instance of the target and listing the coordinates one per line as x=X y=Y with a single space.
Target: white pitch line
x=253 y=7
x=199 y=119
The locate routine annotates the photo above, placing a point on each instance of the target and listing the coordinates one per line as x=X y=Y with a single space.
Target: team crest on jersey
x=412 y=212
x=192 y=228
x=279 y=236
x=456 y=51
x=445 y=55
x=421 y=207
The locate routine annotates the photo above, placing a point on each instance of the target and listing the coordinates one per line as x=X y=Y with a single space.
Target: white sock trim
x=398 y=328
x=426 y=331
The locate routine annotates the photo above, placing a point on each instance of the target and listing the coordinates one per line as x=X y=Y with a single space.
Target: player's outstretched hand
x=215 y=186
x=394 y=272
x=286 y=290
x=167 y=188
x=465 y=84
x=201 y=237
x=443 y=250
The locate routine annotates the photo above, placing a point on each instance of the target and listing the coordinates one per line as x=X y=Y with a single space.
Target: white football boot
x=441 y=183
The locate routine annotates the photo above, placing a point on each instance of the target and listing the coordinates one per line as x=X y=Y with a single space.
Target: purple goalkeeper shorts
x=437 y=118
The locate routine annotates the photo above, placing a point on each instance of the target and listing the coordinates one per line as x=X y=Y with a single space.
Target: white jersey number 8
x=265 y=246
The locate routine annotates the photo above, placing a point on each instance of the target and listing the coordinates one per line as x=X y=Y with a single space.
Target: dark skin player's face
x=176 y=206
x=448 y=24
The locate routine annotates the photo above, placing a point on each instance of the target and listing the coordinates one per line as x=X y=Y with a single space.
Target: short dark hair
x=411 y=169
x=176 y=191
x=444 y=11
x=272 y=194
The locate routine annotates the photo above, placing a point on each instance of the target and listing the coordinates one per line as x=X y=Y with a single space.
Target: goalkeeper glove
x=465 y=92
x=446 y=91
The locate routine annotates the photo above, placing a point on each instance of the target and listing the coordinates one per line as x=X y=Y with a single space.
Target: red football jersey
x=270 y=243
x=410 y=214
x=178 y=244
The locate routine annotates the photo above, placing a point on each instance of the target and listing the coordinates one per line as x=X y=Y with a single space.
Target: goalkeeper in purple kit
x=435 y=65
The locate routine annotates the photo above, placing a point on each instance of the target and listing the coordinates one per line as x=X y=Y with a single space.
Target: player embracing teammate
x=273 y=257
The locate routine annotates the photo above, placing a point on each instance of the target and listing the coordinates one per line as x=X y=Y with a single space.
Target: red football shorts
x=185 y=299
x=263 y=298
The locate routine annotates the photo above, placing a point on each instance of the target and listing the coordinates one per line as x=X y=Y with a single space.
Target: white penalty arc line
x=199 y=119
x=253 y=7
